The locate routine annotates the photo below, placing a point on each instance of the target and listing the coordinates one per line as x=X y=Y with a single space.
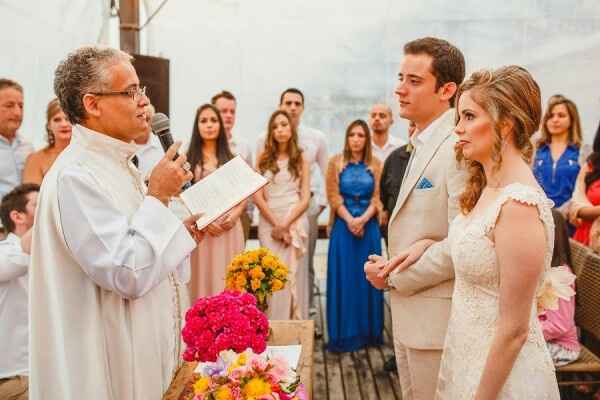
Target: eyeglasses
x=134 y=93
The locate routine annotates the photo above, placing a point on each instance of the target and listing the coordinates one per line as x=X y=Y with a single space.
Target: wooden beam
x=129 y=16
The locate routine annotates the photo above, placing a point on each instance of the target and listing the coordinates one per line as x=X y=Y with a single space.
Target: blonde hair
x=507 y=94
x=575 y=136
x=52 y=109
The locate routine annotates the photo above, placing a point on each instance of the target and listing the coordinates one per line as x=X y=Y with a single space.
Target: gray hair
x=9 y=83
x=84 y=71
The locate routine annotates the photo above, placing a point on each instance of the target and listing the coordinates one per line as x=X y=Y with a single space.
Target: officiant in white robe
x=109 y=259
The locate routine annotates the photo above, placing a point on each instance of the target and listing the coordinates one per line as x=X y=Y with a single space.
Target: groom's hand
x=372 y=268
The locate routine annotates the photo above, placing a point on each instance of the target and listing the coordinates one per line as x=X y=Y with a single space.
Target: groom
x=429 y=77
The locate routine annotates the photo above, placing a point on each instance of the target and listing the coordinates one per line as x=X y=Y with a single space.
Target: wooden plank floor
x=352 y=376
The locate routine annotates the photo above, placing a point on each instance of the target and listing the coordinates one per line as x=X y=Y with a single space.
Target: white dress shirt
x=241 y=148
x=14 y=327
x=149 y=155
x=392 y=144
x=314 y=146
x=12 y=162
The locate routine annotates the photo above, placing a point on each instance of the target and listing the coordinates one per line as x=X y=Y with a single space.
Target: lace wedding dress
x=475 y=308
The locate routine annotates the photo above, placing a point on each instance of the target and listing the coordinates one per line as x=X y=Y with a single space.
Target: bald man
x=380 y=120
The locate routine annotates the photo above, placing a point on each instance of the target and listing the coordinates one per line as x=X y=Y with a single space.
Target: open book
x=222 y=190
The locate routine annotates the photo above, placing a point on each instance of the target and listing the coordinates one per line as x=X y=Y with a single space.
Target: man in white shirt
x=314 y=146
x=14 y=149
x=380 y=120
x=149 y=152
x=109 y=260
x=17 y=213
x=226 y=103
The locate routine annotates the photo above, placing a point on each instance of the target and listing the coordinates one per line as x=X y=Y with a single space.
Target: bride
x=501 y=246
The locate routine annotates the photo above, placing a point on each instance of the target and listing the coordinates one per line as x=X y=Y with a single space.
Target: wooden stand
x=283 y=333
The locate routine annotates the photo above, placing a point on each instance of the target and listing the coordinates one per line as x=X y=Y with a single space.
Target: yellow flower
x=261 y=252
x=257 y=387
x=276 y=285
x=230 y=283
x=201 y=385
x=255 y=284
x=223 y=393
x=257 y=273
x=240 y=280
x=280 y=273
x=253 y=257
x=269 y=261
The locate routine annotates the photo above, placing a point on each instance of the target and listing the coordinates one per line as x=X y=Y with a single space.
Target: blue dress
x=557 y=178
x=354 y=307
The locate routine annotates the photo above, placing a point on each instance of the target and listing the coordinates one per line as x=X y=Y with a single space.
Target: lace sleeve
x=530 y=196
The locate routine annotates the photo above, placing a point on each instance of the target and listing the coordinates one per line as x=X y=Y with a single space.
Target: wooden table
x=283 y=333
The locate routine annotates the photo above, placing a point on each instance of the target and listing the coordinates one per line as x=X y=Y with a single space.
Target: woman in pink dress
x=283 y=225
x=209 y=150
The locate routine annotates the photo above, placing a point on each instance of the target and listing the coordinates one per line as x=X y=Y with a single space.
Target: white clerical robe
x=107 y=276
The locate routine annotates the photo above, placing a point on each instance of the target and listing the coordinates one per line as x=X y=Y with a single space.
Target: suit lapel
x=422 y=159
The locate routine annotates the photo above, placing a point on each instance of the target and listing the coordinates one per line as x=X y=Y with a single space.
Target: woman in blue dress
x=354 y=307
x=556 y=163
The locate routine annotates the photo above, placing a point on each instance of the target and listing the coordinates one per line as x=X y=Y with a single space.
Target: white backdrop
x=343 y=54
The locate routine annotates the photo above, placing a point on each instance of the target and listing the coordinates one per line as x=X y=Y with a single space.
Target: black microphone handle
x=166 y=141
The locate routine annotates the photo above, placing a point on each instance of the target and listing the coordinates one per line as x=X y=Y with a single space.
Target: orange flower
x=276 y=285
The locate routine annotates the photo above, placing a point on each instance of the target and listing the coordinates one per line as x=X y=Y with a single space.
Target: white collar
x=12 y=239
x=421 y=138
x=99 y=141
x=390 y=142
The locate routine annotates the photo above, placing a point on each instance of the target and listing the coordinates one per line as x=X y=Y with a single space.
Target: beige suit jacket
x=421 y=296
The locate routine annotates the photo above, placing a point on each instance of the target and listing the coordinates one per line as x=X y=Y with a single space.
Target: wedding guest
x=585 y=207
x=58 y=129
x=380 y=121
x=17 y=212
x=283 y=223
x=558 y=326
x=354 y=307
x=14 y=149
x=149 y=152
x=208 y=151
x=226 y=103
x=314 y=150
x=556 y=162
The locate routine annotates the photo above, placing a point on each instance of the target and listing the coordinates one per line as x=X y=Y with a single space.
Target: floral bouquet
x=247 y=376
x=557 y=284
x=227 y=321
x=258 y=272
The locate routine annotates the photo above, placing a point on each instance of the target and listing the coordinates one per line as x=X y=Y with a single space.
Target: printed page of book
x=222 y=190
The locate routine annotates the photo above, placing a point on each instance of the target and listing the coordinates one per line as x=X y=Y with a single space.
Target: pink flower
x=228 y=321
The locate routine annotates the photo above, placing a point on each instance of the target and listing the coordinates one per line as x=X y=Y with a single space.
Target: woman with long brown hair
x=208 y=150
x=58 y=130
x=354 y=307
x=283 y=224
x=556 y=162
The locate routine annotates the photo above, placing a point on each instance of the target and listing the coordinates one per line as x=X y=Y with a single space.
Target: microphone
x=161 y=128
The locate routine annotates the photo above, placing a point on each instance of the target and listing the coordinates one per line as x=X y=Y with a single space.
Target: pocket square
x=424 y=183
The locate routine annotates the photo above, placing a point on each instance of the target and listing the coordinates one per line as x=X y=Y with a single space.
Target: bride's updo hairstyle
x=507 y=94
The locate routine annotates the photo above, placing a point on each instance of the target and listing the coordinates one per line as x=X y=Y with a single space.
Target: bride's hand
x=406 y=258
